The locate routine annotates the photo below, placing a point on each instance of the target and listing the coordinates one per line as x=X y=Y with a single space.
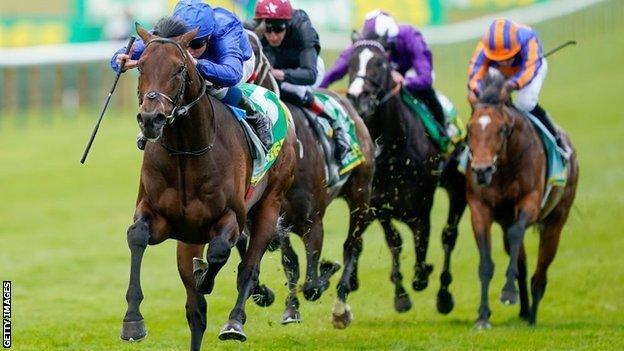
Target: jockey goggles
x=275 y=26
x=198 y=43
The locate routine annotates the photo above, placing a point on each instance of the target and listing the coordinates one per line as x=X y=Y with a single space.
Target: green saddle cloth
x=336 y=112
x=454 y=127
x=266 y=102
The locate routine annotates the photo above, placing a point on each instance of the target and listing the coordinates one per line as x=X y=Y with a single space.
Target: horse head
x=489 y=127
x=370 y=79
x=164 y=75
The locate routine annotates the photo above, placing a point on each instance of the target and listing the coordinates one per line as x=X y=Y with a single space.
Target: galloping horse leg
x=262 y=295
x=224 y=234
x=290 y=262
x=265 y=220
x=454 y=182
x=148 y=228
x=420 y=228
x=359 y=220
x=402 y=302
x=481 y=224
x=316 y=282
x=549 y=242
x=522 y=275
x=515 y=237
x=195 y=302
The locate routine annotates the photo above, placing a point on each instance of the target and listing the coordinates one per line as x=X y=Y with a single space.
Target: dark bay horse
x=309 y=196
x=408 y=171
x=195 y=187
x=506 y=183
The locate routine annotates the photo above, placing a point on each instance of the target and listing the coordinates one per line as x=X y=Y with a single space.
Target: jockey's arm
x=131 y=59
x=340 y=68
x=531 y=63
x=421 y=62
x=227 y=69
x=306 y=73
x=479 y=65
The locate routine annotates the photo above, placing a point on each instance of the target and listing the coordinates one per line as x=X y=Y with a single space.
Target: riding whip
x=108 y=98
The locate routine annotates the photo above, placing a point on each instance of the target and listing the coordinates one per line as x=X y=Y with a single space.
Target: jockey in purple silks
x=408 y=52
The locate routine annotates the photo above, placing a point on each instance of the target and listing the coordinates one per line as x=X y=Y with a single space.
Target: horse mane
x=492 y=87
x=170 y=27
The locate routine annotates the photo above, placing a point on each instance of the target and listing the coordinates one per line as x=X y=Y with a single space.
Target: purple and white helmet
x=378 y=24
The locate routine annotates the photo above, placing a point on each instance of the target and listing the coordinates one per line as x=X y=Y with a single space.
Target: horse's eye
x=503 y=131
x=180 y=70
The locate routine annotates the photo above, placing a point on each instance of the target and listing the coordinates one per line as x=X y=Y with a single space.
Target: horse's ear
x=355 y=36
x=503 y=97
x=472 y=98
x=186 y=38
x=143 y=34
x=383 y=40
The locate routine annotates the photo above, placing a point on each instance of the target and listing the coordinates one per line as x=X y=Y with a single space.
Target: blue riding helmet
x=196 y=13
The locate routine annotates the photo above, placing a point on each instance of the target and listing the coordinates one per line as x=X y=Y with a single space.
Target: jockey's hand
x=130 y=63
x=473 y=98
x=510 y=86
x=278 y=74
x=397 y=77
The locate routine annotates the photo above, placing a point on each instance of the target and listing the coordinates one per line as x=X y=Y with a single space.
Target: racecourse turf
x=63 y=243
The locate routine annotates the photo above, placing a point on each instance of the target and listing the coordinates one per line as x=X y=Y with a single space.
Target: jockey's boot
x=260 y=122
x=141 y=141
x=341 y=141
x=543 y=117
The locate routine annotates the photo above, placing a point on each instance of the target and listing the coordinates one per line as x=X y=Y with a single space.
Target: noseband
x=178 y=110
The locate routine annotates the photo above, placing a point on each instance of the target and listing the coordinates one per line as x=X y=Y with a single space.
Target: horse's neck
x=519 y=143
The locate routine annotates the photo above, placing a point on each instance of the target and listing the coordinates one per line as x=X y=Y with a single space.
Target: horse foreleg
x=141 y=233
x=290 y=262
x=515 y=237
x=263 y=228
x=316 y=282
x=195 y=302
x=402 y=302
x=359 y=220
x=522 y=275
x=481 y=224
x=457 y=205
x=420 y=228
x=224 y=234
x=262 y=295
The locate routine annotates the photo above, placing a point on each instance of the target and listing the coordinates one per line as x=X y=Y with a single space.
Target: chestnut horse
x=194 y=187
x=408 y=171
x=309 y=196
x=506 y=183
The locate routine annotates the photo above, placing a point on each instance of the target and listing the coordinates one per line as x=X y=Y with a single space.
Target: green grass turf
x=62 y=238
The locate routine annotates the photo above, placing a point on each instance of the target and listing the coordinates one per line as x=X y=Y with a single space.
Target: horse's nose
x=484 y=173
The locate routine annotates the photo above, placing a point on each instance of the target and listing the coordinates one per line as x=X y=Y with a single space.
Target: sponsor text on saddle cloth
x=455 y=129
x=556 y=166
x=265 y=102
x=336 y=112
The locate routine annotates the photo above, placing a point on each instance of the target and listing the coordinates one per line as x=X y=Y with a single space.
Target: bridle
x=503 y=148
x=376 y=100
x=179 y=110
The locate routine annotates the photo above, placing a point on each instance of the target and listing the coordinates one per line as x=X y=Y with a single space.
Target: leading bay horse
x=309 y=196
x=506 y=183
x=408 y=171
x=194 y=187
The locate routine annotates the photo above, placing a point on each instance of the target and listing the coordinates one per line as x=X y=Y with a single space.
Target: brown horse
x=408 y=170
x=310 y=195
x=195 y=187
x=506 y=183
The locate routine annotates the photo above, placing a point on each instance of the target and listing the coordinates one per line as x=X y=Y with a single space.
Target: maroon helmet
x=273 y=10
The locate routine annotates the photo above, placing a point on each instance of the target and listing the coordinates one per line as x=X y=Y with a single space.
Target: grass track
x=62 y=239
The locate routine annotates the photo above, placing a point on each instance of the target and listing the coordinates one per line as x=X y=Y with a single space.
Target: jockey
x=222 y=54
x=516 y=51
x=407 y=51
x=292 y=46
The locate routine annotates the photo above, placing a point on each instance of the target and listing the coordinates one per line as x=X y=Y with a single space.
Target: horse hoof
x=311 y=292
x=202 y=284
x=341 y=315
x=482 y=324
x=509 y=297
x=421 y=278
x=524 y=315
x=402 y=303
x=232 y=330
x=327 y=269
x=420 y=285
x=291 y=315
x=263 y=297
x=133 y=331
x=445 y=302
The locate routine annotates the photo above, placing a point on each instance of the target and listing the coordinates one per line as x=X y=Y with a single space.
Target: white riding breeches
x=527 y=97
x=301 y=90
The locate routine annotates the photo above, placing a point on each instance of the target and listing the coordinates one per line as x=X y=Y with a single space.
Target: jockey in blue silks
x=222 y=55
